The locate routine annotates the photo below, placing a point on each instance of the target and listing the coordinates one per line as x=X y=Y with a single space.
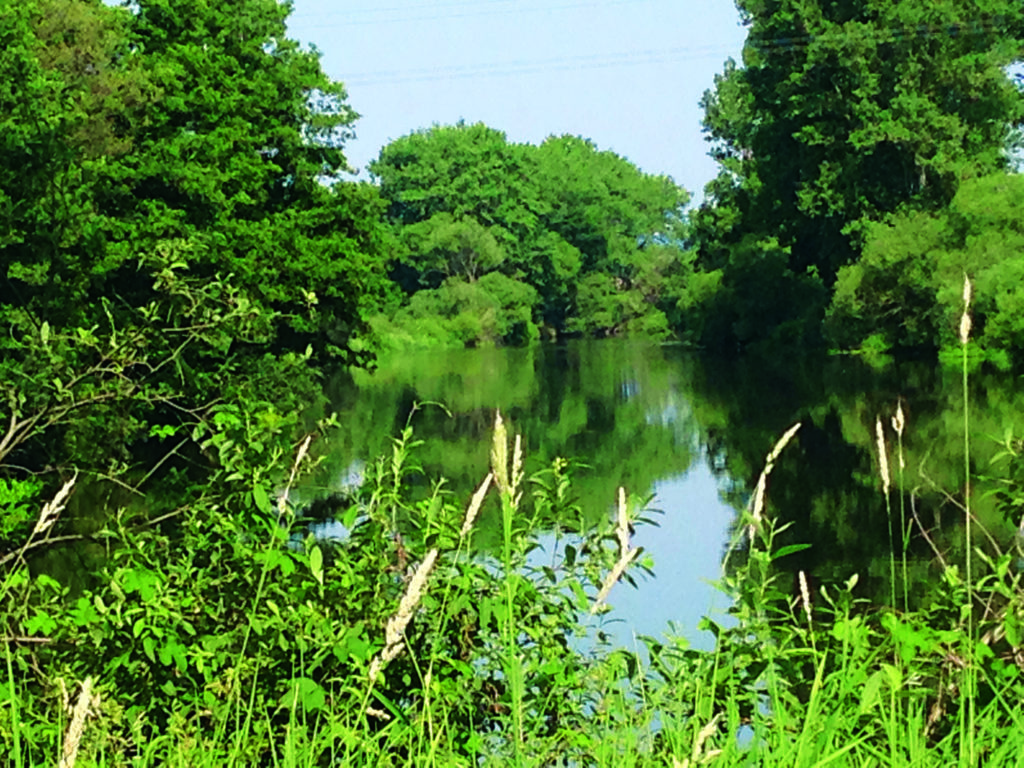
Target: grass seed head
x=757 y=504
x=965 y=318
x=899 y=420
x=474 y=505
x=52 y=509
x=499 y=454
x=883 y=459
x=394 y=632
x=805 y=594
x=626 y=555
x=622 y=529
x=73 y=737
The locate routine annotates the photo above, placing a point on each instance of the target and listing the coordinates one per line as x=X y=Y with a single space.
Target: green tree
x=172 y=241
x=444 y=246
x=905 y=293
x=842 y=113
x=462 y=170
x=564 y=217
x=625 y=224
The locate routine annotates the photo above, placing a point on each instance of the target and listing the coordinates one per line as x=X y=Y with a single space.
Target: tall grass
x=407 y=645
x=970 y=679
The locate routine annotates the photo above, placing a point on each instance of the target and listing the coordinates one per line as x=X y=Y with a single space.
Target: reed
x=883 y=471
x=898 y=425
x=760 y=490
x=626 y=553
x=510 y=494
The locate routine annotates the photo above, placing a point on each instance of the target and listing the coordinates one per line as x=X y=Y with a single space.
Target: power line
x=403 y=8
x=651 y=56
x=533 y=66
x=513 y=7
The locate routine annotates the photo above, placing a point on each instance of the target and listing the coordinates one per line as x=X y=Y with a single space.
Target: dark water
x=693 y=432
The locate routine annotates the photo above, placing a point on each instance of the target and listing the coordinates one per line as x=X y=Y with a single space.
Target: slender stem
x=892 y=553
x=971 y=672
x=15 y=716
x=904 y=529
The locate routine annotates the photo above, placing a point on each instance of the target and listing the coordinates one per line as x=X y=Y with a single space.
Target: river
x=691 y=433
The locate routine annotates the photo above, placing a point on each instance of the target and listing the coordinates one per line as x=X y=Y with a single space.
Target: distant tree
x=446 y=247
x=905 y=293
x=462 y=170
x=561 y=216
x=619 y=219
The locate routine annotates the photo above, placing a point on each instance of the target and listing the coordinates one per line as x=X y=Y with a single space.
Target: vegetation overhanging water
x=183 y=255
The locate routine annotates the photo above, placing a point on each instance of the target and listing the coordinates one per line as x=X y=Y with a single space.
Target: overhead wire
x=883 y=34
x=478 y=9
x=533 y=66
x=405 y=8
x=624 y=58
x=554 y=64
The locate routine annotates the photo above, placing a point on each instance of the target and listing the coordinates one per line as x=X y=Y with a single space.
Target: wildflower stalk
x=509 y=483
x=757 y=505
x=282 y=508
x=394 y=631
x=73 y=737
x=47 y=518
x=626 y=554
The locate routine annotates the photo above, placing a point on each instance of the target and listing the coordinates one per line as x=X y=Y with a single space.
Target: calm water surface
x=692 y=433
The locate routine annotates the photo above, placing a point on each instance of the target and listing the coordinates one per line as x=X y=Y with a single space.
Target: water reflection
x=694 y=432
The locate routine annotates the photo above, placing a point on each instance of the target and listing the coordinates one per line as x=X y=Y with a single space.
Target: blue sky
x=628 y=74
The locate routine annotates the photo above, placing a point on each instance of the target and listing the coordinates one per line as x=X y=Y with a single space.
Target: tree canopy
x=170 y=230
x=580 y=227
x=841 y=114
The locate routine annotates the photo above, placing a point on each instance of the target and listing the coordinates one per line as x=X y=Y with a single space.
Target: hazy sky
x=627 y=74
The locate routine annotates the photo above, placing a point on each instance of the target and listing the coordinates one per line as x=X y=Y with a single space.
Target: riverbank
x=218 y=646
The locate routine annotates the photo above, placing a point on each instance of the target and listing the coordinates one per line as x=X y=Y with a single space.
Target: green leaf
x=789 y=549
x=261 y=499
x=40 y=622
x=1011 y=625
x=485 y=613
x=304 y=692
x=316 y=564
x=870 y=694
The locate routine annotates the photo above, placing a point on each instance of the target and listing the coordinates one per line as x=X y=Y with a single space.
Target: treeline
x=868 y=162
x=178 y=234
x=867 y=154
x=172 y=264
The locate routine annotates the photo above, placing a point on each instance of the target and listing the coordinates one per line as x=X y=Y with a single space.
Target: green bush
x=906 y=288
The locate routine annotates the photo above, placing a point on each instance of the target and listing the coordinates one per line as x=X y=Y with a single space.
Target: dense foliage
x=180 y=260
x=499 y=241
x=841 y=115
x=903 y=294
x=169 y=246
x=400 y=643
